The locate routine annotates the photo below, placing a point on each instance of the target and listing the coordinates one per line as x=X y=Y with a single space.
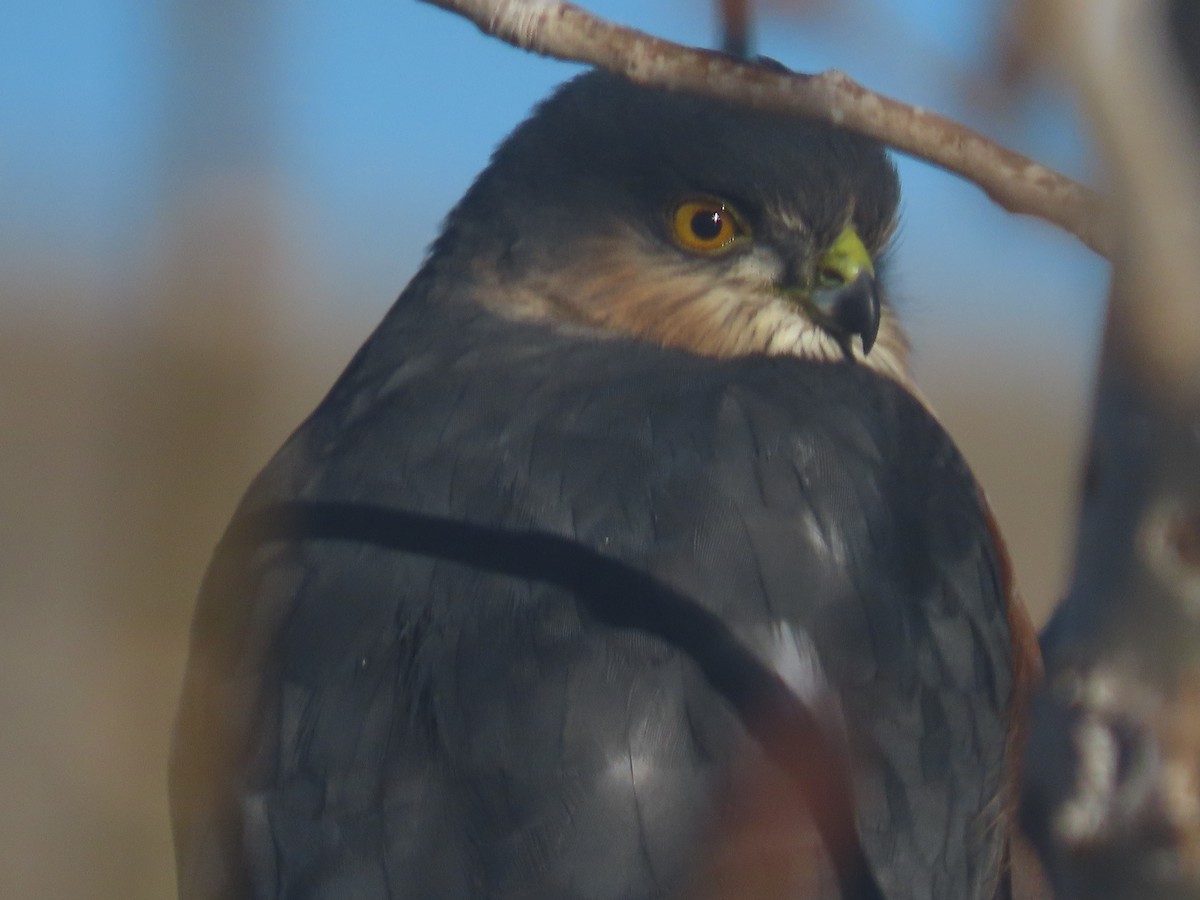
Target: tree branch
x=1015 y=182
x=735 y=27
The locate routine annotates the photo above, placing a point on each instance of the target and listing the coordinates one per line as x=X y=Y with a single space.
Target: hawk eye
x=705 y=226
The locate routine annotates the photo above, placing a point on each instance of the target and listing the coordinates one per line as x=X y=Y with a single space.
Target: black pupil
x=706 y=224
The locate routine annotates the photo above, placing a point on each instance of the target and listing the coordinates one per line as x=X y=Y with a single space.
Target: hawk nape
x=634 y=449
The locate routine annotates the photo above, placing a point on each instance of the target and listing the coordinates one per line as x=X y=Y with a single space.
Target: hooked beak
x=852 y=309
x=845 y=298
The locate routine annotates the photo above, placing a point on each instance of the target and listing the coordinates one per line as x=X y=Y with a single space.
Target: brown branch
x=735 y=27
x=1015 y=182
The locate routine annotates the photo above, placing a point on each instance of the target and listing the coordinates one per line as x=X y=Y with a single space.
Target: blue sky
x=380 y=112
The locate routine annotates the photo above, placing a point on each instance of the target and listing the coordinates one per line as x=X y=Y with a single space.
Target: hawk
x=632 y=468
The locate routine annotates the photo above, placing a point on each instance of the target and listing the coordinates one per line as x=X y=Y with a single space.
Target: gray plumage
x=359 y=722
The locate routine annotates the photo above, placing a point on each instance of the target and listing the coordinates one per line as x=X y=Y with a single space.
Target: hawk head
x=686 y=222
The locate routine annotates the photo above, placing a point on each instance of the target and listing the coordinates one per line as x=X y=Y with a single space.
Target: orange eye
x=705 y=226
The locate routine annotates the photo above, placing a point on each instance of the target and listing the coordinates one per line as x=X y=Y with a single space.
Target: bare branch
x=735 y=27
x=1015 y=182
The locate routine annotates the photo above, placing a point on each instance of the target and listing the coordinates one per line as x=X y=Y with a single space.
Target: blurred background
x=206 y=206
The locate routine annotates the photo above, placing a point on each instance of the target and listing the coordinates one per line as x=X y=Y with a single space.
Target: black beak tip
x=868 y=336
x=855 y=309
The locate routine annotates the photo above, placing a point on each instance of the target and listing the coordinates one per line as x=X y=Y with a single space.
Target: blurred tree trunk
x=195 y=381
x=186 y=389
x=1113 y=769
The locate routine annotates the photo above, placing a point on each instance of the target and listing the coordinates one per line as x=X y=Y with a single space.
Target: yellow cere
x=845 y=260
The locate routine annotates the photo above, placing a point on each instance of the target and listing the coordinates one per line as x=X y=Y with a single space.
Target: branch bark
x=1015 y=182
x=735 y=27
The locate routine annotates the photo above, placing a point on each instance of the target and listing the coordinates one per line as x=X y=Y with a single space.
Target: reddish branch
x=1013 y=181
x=735 y=27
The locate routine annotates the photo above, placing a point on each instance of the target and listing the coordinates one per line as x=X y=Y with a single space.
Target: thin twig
x=735 y=27
x=1015 y=182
